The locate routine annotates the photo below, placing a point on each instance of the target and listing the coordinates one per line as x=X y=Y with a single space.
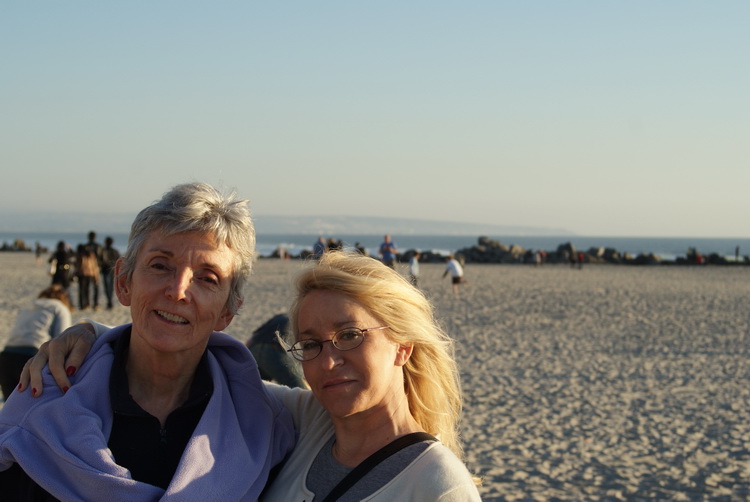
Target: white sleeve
x=300 y=402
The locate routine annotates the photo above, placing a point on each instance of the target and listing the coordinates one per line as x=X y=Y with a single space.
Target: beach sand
x=607 y=383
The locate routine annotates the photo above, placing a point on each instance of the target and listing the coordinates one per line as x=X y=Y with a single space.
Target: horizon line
x=412 y=234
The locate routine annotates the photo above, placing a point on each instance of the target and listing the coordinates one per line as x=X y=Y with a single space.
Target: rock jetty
x=488 y=250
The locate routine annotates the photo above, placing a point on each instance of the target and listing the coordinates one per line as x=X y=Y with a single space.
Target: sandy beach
x=606 y=383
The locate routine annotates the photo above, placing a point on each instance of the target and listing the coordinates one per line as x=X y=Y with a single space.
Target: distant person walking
x=320 y=248
x=109 y=258
x=414 y=268
x=88 y=259
x=38 y=249
x=388 y=251
x=46 y=318
x=457 y=272
x=61 y=265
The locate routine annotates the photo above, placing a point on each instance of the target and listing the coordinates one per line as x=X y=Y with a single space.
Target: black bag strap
x=370 y=462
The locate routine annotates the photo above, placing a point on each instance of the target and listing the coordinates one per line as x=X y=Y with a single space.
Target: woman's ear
x=403 y=353
x=223 y=321
x=122 y=285
x=226 y=317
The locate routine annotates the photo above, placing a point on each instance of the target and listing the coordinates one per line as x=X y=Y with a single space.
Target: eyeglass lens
x=345 y=339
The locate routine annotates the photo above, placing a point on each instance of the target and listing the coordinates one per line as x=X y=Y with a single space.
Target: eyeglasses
x=345 y=339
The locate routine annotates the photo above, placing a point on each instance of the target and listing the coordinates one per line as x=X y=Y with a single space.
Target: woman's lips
x=337 y=383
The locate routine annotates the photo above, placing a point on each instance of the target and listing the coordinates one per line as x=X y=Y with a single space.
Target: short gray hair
x=199 y=207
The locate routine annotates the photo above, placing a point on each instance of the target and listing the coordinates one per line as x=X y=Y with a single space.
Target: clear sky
x=603 y=118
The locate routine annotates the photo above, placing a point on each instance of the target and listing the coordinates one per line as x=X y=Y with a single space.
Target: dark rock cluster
x=487 y=250
x=17 y=245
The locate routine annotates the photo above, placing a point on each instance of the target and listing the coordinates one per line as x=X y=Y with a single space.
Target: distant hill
x=273 y=224
x=340 y=225
x=17 y=221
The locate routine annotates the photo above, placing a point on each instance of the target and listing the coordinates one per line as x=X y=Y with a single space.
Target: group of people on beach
x=170 y=407
x=388 y=253
x=50 y=313
x=90 y=264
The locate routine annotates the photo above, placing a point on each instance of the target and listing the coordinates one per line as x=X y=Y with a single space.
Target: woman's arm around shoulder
x=64 y=353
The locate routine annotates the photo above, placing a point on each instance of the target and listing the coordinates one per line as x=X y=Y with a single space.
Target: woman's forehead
x=326 y=309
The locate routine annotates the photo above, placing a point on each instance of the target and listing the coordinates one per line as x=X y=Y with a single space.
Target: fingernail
x=33 y=392
x=65 y=389
x=71 y=370
x=19 y=386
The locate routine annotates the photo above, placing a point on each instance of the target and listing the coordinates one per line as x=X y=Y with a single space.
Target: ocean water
x=667 y=248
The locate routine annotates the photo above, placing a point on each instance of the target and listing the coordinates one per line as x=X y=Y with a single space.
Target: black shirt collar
x=201 y=388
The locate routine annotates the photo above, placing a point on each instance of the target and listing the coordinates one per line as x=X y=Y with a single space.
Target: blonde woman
x=380 y=369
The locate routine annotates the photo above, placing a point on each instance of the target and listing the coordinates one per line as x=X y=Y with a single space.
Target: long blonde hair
x=431 y=379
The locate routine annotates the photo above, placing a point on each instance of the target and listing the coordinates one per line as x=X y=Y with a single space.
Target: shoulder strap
x=370 y=462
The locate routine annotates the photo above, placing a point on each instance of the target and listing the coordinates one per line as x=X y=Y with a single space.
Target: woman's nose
x=330 y=356
x=179 y=286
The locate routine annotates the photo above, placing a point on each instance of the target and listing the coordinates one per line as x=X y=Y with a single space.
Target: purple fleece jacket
x=61 y=440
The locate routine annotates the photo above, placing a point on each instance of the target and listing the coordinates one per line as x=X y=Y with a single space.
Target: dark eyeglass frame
x=297 y=349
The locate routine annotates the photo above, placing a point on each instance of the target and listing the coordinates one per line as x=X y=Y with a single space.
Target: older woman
x=385 y=399
x=166 y=407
